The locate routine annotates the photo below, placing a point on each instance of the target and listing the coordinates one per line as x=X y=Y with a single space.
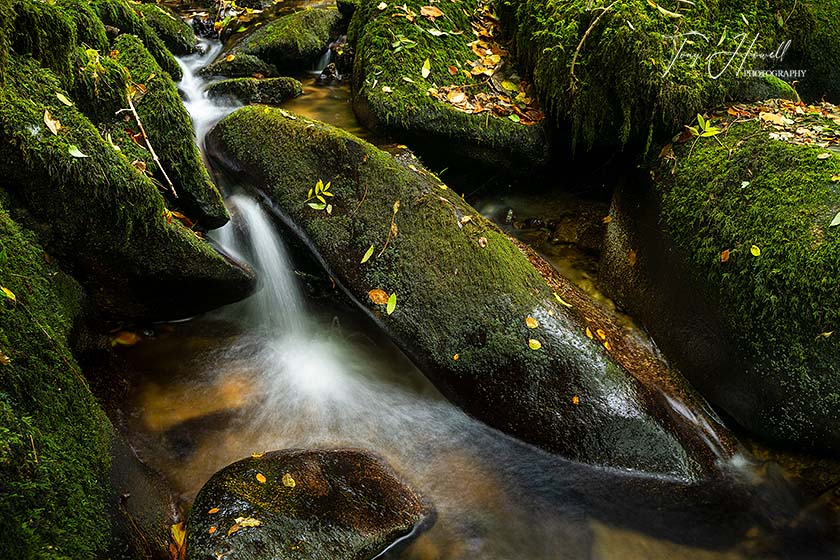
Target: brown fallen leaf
x=430 y=12
x=531 y=323
x=125 y=338
x=482 y=242
x=4 y=359
x=724 y=255
x=261 y=478
x=211 y=511
x=53 y=124
x=377 y=296
x=452 y=70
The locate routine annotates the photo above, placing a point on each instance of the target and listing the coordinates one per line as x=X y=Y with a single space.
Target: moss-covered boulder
x=392 y=96
x=175 y=33
x=627 y=72
x=239 y=66
x=251 y=90
x=466 y=299
x=54 y=438
x=170 y=132
x=102 y=215
x=735 y=268
x=341 y=504
x=293 y=41
x=126 y=17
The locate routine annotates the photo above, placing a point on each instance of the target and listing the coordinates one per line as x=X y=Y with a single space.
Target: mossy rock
x=175 y=33
x=463 y=293
x=126 y=17
x=54 y=437
x=101 y=215
x=339 y=504
x=613 y=76
x=291 y=42
x=271 y=91
x=239 y=66
x=407 y=111
x=815 y=48
x=736 y=276
x=170 y=132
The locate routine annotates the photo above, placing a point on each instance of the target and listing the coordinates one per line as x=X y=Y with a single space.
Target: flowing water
x=280 y=370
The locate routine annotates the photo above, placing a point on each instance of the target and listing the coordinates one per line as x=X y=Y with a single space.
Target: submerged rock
x=475 y=311
x=391 y=94
x=271 y=91
x=340 y=504
x=736 y=266
x=291 y=42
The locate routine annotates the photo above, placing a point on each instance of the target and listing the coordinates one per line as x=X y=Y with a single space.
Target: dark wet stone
x=341 y=504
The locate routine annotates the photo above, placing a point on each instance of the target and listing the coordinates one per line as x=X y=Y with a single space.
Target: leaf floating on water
x=261 y=478
x=75 y=152
x=248 y=522
x=288 y=481
x=835 y=221
x=61 y=97
x=531 y=322
x=755 y=250
x=534 y=344
x=8 y=293
x=377 y=296
x=125 y=338
x=392 y=304
x=368 y=254
x=724 y=255
x=54 y=125
x=211 y=511
x=427 y=69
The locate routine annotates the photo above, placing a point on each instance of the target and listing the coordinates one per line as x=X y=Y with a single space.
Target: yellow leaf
x=248 y=522
x=261 y=478
x=288 y=480
x=427 y=69
x=534 y=344
x=576 y=400
x=755 y=250
x=211 y=511
x=8 y=293
x=179 y=534
x=607 y=345
x=368 y=255
x=456 y=357
x=53 y=124
x=377 y=296
x=257 y=455
x=125 y=338
x=392 y=304
x=562 y=302
x=606 y=219
x=531 y=322
x=601 y=334
x=234 y=528
x=212 y=529
x=5 y=360
x=230 y=58
x=589 y=333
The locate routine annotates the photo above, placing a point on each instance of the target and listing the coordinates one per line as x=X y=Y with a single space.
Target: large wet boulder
x=239 y=66
x=101 y=214
x=175 y=33
x=629 y=72
x=457 y=107
x=291 y=42
x=735 y=266
x=340 y=504
x=251 y=90
x=466 y=299
x=54 y=437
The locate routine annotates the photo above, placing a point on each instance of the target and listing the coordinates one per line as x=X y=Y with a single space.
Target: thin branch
x=580 y=46
x=149 y=144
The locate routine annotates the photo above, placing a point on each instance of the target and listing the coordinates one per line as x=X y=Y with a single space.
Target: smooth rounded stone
x=492 y=325
x=270 y=91
x=735 y=273
x=343 y=504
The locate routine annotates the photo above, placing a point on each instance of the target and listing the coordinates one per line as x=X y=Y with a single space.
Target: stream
x=284 y=370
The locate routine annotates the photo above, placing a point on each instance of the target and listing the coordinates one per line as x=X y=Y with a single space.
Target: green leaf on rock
x=61 y=97
x=835 y=221
x=75 y=152
x=392 y=304
x=368 y=255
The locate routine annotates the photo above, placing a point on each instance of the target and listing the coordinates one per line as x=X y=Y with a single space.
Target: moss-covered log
x=170 y=132
x=391 y=95
x=622 y=72
x=342 y=503
x=735 y=273
x=463 y=294
x=271 y=91
x=100 y=213
x=175 y=33
x=291 y=42
x=54 y=438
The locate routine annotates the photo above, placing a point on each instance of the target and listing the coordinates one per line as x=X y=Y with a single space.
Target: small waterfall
x=322 y=63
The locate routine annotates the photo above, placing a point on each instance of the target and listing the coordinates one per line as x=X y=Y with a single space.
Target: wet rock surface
x=340 y=504
x=251 y=90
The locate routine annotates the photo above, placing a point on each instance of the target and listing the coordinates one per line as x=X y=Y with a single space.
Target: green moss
x=407 y=111
x=170 y=131
x=90 y=30
x=7 y=26
x=250 y=90
x=124 y=16
x=815 y=48
x=241 y=66
x=294 y=41
x=620 y=91
x=99 y=213
x=175 y=33
x=751 y=190
x=54 y=438
x=48 y=34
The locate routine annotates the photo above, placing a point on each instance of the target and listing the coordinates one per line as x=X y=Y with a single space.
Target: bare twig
x=580 y=45
x=149 y=144
x=32 y=441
